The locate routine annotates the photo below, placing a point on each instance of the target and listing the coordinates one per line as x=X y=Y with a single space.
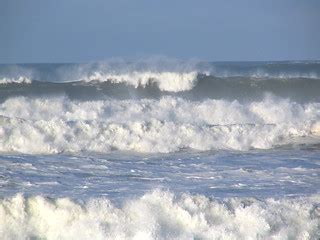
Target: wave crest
x=18 y=80
x=166 y=81
x=53 y=125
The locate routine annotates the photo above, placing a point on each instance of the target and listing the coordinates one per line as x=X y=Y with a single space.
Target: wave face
x=160 y=215
x=197 y=81
x=158 y=107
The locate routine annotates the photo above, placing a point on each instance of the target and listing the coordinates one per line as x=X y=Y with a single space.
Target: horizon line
x=178 y=60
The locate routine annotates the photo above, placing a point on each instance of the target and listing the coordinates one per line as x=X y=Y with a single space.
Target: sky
x=38 y=31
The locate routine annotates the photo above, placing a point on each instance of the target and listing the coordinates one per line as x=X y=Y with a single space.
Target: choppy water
x=160 y=150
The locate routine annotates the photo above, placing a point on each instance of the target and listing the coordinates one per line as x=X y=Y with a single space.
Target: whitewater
x=160 y=150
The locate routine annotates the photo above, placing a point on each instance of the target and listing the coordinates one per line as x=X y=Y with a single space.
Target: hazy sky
x=217 y=30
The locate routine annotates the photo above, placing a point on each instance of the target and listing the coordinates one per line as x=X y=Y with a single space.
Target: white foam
x=270 y=110
x=166 y=81
x=315 y=128
x=262 y=74
x=17 y=80
x=160 y=215
x=51 y=125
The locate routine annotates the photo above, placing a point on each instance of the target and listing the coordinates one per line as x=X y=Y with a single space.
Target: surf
x=169 y=124
x=159 y=215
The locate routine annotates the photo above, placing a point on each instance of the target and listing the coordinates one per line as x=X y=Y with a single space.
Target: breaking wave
x=55 y=125
x=158 y=107
x=166 y=81
x=160 y=215
x=18 y=80
x=155 y=85
x=168 y=75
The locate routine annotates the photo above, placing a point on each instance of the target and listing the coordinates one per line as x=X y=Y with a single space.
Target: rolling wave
x=190 y=85
x=170 y=75
x=154 y=78
x=158 y=107
x=56 y=125
x=15 y=81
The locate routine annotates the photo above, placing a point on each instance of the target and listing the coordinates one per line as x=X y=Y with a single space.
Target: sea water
x=160 y=150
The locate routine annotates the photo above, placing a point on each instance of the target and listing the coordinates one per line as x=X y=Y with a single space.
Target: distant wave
x=166 y=81
x=168 y=75
x=19 y=80
x=160 y=215
x=189 y=85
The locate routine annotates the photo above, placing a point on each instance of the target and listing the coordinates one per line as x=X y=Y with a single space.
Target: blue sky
x=214 y=30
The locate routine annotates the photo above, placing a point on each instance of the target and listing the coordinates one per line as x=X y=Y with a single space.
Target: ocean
x=160 y=149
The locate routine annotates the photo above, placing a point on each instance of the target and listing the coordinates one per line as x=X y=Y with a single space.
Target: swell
x=160 y=215
x=153 y=78
x=199 y=88
x=72 y=72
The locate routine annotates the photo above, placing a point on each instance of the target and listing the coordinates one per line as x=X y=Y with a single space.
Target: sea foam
x=160 y=215
x=18 y=80
x=58 y=124
x=166 y=81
